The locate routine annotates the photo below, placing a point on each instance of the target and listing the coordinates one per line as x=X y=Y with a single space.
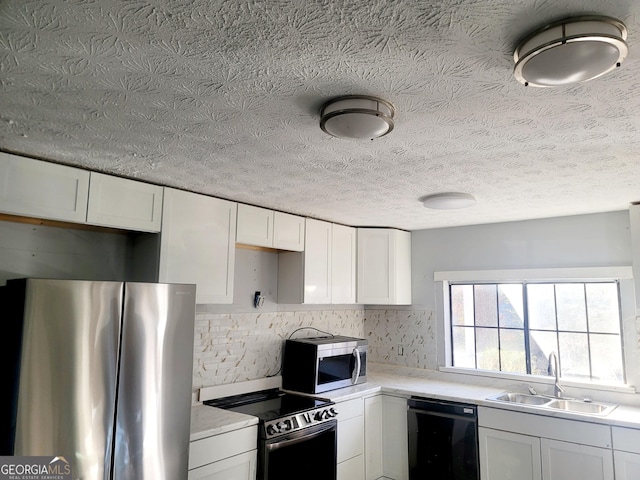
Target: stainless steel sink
x=564 y=404
x=521 y=398
x=578 y=406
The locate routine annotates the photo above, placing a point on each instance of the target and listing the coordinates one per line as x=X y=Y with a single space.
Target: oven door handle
x=301 y=436
x=356 y=372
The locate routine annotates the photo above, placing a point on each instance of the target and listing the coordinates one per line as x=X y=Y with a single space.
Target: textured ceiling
x=222 y=98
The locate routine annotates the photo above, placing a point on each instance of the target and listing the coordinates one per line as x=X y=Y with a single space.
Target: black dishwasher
x=443 y=440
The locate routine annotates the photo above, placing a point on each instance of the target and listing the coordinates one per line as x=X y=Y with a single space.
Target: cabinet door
x=564 y=460
x=343 y=264
x=255 y=226
x=239 y=467
x=627 y=465
x=384 y=266
x=44 y=190
x=373 y=437
x=352 y=469
x=198 y=244
x=317 y=262
x=395 y=437
x=122 y=203
x=509 y=456
x=288 y=232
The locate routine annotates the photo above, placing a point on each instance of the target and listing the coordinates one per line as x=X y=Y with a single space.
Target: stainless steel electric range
x=296 y=433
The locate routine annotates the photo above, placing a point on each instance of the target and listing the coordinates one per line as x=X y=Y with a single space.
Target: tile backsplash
x=234 y=347
x=402 y=337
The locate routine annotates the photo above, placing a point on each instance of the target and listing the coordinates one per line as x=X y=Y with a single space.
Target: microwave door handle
x=356 y=373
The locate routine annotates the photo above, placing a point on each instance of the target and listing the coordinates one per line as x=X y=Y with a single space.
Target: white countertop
x=207 y=421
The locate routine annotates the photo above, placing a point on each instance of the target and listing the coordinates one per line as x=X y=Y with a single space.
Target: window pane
x=462 y=305
x=511 y=306
x=602 y=306
x=606 y=358
x=486 y=305
x=464 y=350
x=541 y=345
x=488 y=356
x=574 y=355
x=512 y=352
x=541 y=306
x=570 y=304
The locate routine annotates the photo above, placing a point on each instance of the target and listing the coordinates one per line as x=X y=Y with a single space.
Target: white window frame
x=623 y=274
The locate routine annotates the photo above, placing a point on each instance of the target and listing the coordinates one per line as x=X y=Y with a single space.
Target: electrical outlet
x=401 y=350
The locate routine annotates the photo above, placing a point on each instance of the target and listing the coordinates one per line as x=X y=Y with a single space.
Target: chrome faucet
x=552 y=369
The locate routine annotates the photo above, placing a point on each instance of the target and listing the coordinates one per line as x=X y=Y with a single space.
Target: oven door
x=342 y=369
x=309 y=453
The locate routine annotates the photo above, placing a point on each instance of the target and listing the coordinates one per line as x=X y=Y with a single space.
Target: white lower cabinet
x=228 y=456
x=564 y=460
x=517 y=445
x=386 y=449
x=350 y=447
x=508 y=456
x=395 y=437
x=626 y=453
x=373 y=449
x=238 y=467
x=627 y=465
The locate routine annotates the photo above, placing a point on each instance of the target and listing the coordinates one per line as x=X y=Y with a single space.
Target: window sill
x=617 y=388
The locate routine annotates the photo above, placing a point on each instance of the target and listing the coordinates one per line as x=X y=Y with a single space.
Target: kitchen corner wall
x=401 y=337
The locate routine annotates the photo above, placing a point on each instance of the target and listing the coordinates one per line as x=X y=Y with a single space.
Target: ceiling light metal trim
x=568 y=35
x=357 y=117
x=448 y=200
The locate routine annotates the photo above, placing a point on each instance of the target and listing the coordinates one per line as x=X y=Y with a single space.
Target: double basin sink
x=585 y=407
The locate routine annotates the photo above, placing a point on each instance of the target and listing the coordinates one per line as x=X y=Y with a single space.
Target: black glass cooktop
x=268 y=404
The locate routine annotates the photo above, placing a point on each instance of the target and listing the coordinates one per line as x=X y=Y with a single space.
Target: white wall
x=579 y=241
x=53 y=252
x=413 y=336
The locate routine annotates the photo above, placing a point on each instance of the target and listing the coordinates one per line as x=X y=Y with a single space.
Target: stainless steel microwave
x=320 y=364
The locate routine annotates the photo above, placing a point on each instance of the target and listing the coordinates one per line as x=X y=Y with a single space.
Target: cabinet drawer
x=350 y=438
x=217 y=447
x=352 y=469
x=546 y=427
x=239 y=467
x=626 y=439
x=350 y=409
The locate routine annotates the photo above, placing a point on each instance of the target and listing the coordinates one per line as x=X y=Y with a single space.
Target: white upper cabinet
x=317 y=262
x=255 y=226
x=198 y=244
x=43 y=190
x=121 y=203
x=343 y=264
x=266 y=228
x=288 y=232
x=384 y=266
x=325 y=272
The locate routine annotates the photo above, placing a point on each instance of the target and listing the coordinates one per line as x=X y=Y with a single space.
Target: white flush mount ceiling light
x=449 y=200
x=357 y=116
x=570 y=51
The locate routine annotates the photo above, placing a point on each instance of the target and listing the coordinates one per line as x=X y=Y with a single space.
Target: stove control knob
x=272 y=429
x=333 y=412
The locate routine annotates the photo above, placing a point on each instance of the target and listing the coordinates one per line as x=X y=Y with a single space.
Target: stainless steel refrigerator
x=101 y=374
